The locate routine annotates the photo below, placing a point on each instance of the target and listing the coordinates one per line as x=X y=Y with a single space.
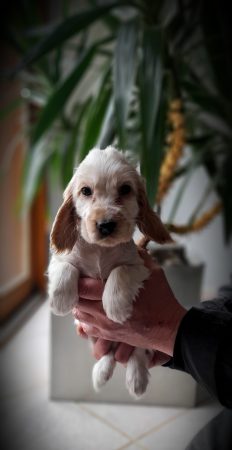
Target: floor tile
x=30 y=421
x=177 y=434
x=35 y=424
x=133 y=420
x=133 y=446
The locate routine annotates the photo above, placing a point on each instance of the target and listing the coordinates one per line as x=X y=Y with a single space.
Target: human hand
x=101 y=346
x=123 y=352
x=153 y=324
x=91 y=289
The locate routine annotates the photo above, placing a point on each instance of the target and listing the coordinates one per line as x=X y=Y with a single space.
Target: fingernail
x=74 y=311
x=86 y=328
x=76 y=322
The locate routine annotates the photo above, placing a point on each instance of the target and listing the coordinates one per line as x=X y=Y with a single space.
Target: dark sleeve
x=203 y=347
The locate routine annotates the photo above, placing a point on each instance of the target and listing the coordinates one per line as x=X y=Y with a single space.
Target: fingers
x=148 y=261
x=84 y=317
x=123 y=353
x=158 y=359
x=93 y=308
x=80 y=331
x=91 y=331
x=101 y=348
x=90 y=288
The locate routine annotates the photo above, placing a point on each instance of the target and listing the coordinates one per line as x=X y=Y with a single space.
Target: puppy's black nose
x=106 y=228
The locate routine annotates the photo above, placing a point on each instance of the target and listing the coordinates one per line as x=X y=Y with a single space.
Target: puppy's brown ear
x=148 y=221
x=64 y=232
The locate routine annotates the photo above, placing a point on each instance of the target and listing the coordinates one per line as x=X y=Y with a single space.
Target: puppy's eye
x=86 y=190
x=124 y=189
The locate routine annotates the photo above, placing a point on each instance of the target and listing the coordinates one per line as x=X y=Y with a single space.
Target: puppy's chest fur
x=97 y=262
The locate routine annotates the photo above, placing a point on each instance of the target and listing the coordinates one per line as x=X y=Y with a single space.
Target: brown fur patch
x=148 y=222
x=64 y=232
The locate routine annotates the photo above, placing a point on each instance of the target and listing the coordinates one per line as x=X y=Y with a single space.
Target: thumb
x=159 y=358
x=90 y=289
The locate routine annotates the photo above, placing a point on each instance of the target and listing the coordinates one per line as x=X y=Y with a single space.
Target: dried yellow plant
x=175 y=141
x=199 y=223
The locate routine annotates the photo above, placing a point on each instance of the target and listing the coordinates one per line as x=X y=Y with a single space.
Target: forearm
x=199 y=340
x=163 y=336
x=203 y=348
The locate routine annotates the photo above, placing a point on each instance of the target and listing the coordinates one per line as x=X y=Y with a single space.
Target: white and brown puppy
x=92 y=236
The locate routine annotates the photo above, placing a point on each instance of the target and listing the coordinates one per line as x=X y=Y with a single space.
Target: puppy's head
x=103 y=202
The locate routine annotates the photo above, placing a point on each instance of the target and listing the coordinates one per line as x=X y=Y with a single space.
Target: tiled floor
x=30 y=421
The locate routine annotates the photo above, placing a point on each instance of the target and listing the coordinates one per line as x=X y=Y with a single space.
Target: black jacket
x=203 y=346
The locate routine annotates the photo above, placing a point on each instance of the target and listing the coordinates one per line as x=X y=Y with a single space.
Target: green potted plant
x=158 y=91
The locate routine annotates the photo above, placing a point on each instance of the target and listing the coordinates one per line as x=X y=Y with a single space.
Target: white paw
x=61 y=304
x=117 y=304
x=137 y=380
x=63 y=290
x=121 y=289
x=137 y=374
x=103 y=371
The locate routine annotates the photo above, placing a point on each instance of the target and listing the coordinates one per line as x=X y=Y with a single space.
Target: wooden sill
x=13 y=299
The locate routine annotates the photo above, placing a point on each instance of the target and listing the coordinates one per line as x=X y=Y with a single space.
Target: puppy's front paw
x=121 y=290
x=117 y=304
x=103 y=370
x=137 y=374
x=62 y=290
x=61 y=304
x=137 y=380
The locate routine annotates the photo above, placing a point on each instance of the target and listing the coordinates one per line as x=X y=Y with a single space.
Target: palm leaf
x=60 y=33
x=33 y=169
x=123 y=74
x=8 y=109
x=71 y=146
x=57 y=100
x=150 y=85
x=190 y=170
x=96 y=115
x=107 y=131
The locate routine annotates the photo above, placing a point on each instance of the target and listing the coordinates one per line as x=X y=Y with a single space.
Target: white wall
x=208 y=245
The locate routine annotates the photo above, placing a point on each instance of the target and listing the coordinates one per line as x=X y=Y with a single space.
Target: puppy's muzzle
x=106 y=228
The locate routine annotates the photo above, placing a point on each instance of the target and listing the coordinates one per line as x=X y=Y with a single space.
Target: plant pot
x=184 y=277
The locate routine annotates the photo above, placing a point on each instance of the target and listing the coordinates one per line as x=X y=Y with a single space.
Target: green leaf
x=68 y=28
x=107 y=131
x=150 y=79
x=207 y=101
x=123 y=74
x=71 y=146
x=57 y=100
x=157 y=150
x=150 y=86
x=33 y=171
x=12 y=38
x=111 y=21
x=190 y=169
x=95 y=116
x=199 y=140
x=14 y=104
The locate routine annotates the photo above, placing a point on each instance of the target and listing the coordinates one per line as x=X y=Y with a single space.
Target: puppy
x=92 y=236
